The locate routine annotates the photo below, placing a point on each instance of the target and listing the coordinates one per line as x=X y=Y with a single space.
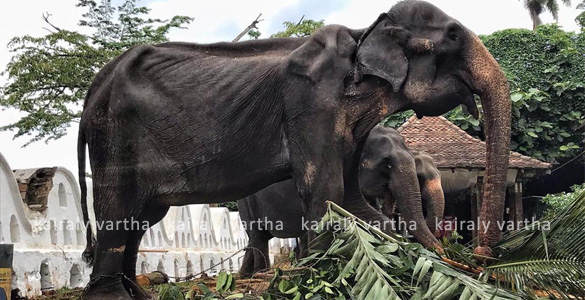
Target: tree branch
x=250 y=27
x=45 y=17
x=300 y=21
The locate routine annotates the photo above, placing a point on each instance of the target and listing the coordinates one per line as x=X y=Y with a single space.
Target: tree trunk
x=535 y=9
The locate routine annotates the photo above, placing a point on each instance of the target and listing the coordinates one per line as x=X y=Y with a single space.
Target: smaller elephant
x=388 y=171
x=429 y=180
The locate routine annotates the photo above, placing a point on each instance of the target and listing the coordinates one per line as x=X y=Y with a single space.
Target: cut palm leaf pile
x=364 y=263
x=546 y=257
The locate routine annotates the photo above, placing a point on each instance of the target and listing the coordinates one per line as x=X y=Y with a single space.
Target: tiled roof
x=451 y=147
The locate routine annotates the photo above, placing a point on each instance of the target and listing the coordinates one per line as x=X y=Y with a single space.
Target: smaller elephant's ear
x=380 y=53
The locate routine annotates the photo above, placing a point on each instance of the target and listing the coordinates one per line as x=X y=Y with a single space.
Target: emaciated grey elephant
x=388 y=168
x=181 y=123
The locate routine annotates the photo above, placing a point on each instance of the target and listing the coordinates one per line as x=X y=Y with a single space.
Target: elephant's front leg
x=318 y=182
x=317 y=161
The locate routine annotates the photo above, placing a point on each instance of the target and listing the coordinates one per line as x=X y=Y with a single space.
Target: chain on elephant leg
x=106 y=280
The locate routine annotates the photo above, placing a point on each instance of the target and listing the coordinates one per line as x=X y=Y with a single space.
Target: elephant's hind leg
x=148 y=217
x=106 y=277
x=247 y=268
x=116 y=207
x=261 y=256
x=257 y=258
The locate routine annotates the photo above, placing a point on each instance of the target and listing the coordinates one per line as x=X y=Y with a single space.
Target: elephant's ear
x=380 y=53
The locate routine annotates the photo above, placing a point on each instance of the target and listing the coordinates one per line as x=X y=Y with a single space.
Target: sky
x=222 y=20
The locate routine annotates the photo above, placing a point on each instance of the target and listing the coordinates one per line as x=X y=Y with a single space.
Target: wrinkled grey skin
x=179 y=123
x=387 y=167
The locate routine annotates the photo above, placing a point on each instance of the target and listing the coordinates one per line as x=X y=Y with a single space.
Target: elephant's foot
x=247 y=268
x=250 y=272
x=244 y=274
x=106 y=287
x=135 y=290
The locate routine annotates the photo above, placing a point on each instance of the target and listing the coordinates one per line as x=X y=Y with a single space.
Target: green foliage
x=48 y=76
x=581 y=17
x=460 y=118
x=224 y=289
x=364 y=263
x=548 y=256
x=546 y=71
x=169 y=292
x=231 y=206
x=558 y=202
x=225 y=282
x=300 y=29
x=464 y=120
x=207 y=294
x=396 y=120
x=255 y=34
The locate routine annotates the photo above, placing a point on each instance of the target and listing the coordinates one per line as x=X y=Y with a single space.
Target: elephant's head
x=434 y=64
x=401 y=177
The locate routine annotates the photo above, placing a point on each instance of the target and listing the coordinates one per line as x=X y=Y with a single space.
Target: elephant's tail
x=88 y=253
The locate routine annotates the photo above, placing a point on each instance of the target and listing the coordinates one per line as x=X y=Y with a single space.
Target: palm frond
x=367 y=264
x=536 y=7
x=553 y=7
x=377 y=266
x=548 y=256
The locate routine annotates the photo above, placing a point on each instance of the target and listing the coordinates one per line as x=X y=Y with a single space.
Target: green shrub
x=546 y=71
x=557 y=202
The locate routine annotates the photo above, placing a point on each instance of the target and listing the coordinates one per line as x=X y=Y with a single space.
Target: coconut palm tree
x=536 y=7
x=581 y=17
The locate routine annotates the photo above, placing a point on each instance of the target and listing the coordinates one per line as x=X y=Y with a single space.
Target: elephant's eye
x=452 y=35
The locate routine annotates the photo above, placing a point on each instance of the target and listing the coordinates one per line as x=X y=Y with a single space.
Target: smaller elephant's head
x=434 y=64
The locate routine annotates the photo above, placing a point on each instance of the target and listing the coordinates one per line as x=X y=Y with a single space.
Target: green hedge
x=546 y=70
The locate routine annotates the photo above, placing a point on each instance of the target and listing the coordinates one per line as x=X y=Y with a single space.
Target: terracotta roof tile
x=451 y=147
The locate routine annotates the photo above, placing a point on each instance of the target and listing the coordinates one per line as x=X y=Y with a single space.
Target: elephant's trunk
x=434 y=199
x=361 y=209
x=490 y=83
x=408 y=200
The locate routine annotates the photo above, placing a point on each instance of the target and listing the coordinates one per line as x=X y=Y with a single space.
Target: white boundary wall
x=47 y=254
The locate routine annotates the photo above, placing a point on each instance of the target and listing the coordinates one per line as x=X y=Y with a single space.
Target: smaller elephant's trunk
x=361 y=209
x=434 y=200
x=412 y=215
x=409 y=202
